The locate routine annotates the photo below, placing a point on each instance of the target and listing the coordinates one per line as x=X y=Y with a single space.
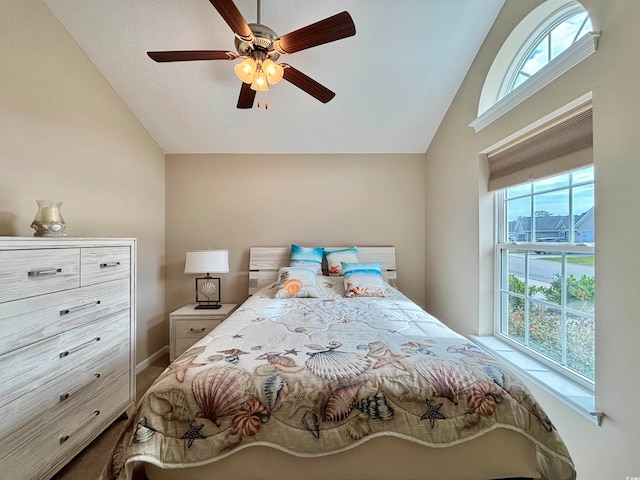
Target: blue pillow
x=307 y=257
x=363 y=280
x=336 y=257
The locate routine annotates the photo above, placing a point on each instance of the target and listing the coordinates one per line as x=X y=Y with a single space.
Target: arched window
x=549 y=41
x=551 y=38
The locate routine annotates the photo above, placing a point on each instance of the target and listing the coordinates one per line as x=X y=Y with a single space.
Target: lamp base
x=204 y=306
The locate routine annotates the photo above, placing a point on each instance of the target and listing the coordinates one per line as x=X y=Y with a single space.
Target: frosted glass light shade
x=273 y=71
x=245 y=70
x=206 y=261
x=260 y=82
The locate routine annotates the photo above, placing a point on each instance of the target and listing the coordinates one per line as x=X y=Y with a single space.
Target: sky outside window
x=554 y=202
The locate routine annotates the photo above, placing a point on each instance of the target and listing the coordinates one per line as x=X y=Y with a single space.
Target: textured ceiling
x=394 y=80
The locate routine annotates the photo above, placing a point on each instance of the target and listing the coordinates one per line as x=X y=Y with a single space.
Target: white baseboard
x=149 y=360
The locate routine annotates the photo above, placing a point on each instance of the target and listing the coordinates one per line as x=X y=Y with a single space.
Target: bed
x=338 y=386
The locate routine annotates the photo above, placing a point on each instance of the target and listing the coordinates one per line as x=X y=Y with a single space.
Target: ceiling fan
x=261 y=47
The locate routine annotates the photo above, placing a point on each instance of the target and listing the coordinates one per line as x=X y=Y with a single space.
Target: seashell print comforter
x=320 y=375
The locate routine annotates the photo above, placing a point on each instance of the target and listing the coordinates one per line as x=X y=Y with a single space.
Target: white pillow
x=296 y=282
x=363 y=280
x=336 y=257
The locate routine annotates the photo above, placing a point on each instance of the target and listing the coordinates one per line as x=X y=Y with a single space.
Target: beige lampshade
x=206 y=261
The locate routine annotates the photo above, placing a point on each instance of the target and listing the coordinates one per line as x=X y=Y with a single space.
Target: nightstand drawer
x=189 y=324
x=194 y=328
x=27 y=273
x=183 y=344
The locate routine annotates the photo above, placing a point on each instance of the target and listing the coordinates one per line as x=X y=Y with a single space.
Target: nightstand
x=188 y=325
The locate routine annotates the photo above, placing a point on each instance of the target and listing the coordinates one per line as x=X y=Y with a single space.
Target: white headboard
x=264 y=263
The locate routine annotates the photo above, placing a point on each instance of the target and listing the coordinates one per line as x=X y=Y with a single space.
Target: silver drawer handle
x=85 y=305
x=109 y=264
x=51 y=271
x=66 y=437
x=197 y=329
x=64 y=396
x=66 y=353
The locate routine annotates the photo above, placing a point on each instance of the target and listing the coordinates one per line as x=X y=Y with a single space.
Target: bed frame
x=264 y=263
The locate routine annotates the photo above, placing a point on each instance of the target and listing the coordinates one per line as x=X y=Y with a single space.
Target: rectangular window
x=546 y=271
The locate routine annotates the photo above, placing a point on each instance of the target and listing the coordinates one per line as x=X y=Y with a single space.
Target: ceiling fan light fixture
x=273 y=71
x=260 y=47
x=246 y=70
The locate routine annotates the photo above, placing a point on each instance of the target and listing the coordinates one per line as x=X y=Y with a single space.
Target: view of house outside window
x=547 y=271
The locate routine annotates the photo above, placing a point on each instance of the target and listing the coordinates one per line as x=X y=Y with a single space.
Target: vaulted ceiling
x=394 y=80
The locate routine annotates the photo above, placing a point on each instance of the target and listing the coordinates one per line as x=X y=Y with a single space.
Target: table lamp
x=207 y=288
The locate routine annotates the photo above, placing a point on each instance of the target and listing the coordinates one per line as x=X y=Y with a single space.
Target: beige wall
x=457 y=179
x=66 y=135
x=235 y=202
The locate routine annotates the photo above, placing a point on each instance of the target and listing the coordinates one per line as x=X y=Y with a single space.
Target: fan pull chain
x=266 y=103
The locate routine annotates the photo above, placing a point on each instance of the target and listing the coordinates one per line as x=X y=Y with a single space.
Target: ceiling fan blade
x=188 y=55
x=308 y=84
x=245 y=100
x=328 y=30
x=230 y=14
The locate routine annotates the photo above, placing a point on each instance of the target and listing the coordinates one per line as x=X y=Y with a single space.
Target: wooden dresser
x=67 y=347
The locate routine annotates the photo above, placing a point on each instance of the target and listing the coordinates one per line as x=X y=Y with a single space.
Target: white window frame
x=544 y=29
x=491 y=105
x=573 y=389
x=501 y=245
x=498 y=320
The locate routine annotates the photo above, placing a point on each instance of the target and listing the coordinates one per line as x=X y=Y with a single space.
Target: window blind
x=556 y=144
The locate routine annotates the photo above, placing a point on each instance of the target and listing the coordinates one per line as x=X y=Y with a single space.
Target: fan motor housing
x=263 y=42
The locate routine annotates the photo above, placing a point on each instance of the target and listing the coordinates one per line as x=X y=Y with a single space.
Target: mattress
x=341 y=388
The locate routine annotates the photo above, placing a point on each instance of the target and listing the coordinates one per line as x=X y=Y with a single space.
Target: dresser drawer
x=55 y=443
x=27 y=321
x=27 y=368
x=24 y=417
x=27 y=273
x=101 y=264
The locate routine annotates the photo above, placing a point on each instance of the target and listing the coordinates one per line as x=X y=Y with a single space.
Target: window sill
x=571 y=393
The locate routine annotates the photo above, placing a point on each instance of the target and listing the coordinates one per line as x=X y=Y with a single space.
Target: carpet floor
x=88 y=464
